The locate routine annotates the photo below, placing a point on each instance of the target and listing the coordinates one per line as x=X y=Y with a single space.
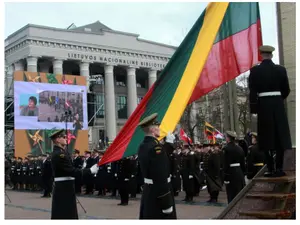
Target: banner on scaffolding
x=44 y=102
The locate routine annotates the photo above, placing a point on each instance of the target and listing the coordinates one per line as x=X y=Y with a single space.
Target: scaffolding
x=9 y=113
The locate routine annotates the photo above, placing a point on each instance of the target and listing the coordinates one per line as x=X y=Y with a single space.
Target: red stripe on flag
x=228 y=59
x=119 y=145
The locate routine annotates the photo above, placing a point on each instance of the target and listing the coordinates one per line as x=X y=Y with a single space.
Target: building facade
x=286 y=19
x=123 y=66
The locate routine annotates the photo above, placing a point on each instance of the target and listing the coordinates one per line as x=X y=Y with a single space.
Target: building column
x=152 y=76
x=31 y=64
x=131 y=90
x=85 y=71
x=9 y=80
x=44 y=67
x=19 y=66
x=57 y=66
x=110 y=102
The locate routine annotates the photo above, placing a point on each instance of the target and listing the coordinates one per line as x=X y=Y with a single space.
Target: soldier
x=95 y=157
x=124 y=174
x=157 y=199
x=47 y=178
x=13 y=172
x=269 y=87
x=234 y=166
x=31 y=173
x=64 y=199
x=133 y=179
x=19 y=173
x=255 y=158
x=77 y=162
x=214 y=185
x=102 y=177
x=88 y=180
x=190 y=173
x=25 y=171
x=175 y=171
x=39 y=180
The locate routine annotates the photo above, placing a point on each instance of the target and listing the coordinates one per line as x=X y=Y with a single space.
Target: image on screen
x=29 y=104
x=44 y=106
x=54 y=104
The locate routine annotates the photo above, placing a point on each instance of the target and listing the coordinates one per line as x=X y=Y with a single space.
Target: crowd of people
x=193 y=168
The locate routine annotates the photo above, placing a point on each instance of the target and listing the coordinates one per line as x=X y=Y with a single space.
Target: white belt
x=150 y=181
x=63 y=178
x=234 y=164
x=271 y=93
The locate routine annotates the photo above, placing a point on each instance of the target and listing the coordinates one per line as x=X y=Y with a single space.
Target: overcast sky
x=160 y=22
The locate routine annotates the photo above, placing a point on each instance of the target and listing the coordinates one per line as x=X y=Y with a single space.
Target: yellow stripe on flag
x=214 y=15
x=209 y=125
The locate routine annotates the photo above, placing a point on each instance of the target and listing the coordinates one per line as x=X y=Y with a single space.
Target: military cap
x=76 y=151
x=55 y=133
x=149 y=120
x=231 y=133
x=87 y=152
x=26 y=158
x=254 y=134
x=20 y=158
x=266 y=49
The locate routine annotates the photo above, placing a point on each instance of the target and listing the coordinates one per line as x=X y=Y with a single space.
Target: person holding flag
x=157 y=199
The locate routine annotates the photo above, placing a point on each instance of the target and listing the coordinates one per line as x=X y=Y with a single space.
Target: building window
x=139 y=99
x=99 y=103
x=122 y=107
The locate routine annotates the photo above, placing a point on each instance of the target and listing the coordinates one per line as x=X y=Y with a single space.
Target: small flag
x=68 y=104
x=56 y=100
x=184 y=137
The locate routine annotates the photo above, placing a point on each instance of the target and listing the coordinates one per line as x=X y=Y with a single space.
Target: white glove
x=132 y=175
x=126 y=179
x=168 y=211
x=84 y=165
x=116 y=175
x=170 y=138
x=190 y=176
x=94 y=169
x=226 y=182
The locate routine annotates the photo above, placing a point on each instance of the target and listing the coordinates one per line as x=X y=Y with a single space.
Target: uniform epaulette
x=156 y=141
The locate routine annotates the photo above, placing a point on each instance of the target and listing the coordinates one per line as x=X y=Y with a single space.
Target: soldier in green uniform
x=64 y=200
x=255 y=158
x=157 y=199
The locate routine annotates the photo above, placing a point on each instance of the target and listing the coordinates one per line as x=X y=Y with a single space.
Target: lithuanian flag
x=222 y=44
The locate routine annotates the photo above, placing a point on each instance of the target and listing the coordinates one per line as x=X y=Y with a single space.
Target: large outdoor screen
x=45 y=102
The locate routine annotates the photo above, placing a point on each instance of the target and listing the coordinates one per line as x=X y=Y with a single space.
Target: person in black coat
x=269 y=87
x=47 y=178
x=157 y=199
x=77 y=163
x=124 y=173
x=88 y=180
x=234 y=166
x=13 y=172
x=255 y=158
x=64 y=204
x=175 y=171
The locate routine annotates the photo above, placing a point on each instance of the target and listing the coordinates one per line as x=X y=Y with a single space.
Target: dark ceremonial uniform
x=124 y=174
x=64 y=204
x=234 y=169
x=39 y=179
x=157 y=192
x=77 y=163
x=190 y=175
x=212 y=170
x=89 y=179
x=47 y=177
x=255 y=161
x=269 y=87
x=175 y=172
x=102 y=179
x=13 y=173
x=19 y=174
x=133 y=179
x=31 y=174
x=25 y=170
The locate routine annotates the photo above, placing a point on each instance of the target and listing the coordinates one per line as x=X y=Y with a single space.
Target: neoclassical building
x=122 y=66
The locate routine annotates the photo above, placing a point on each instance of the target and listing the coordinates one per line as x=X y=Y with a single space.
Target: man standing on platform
x=157 y=198
x=64 y=204
x=269 y=87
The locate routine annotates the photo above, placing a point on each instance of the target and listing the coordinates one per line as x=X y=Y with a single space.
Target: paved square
x=27 y=205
